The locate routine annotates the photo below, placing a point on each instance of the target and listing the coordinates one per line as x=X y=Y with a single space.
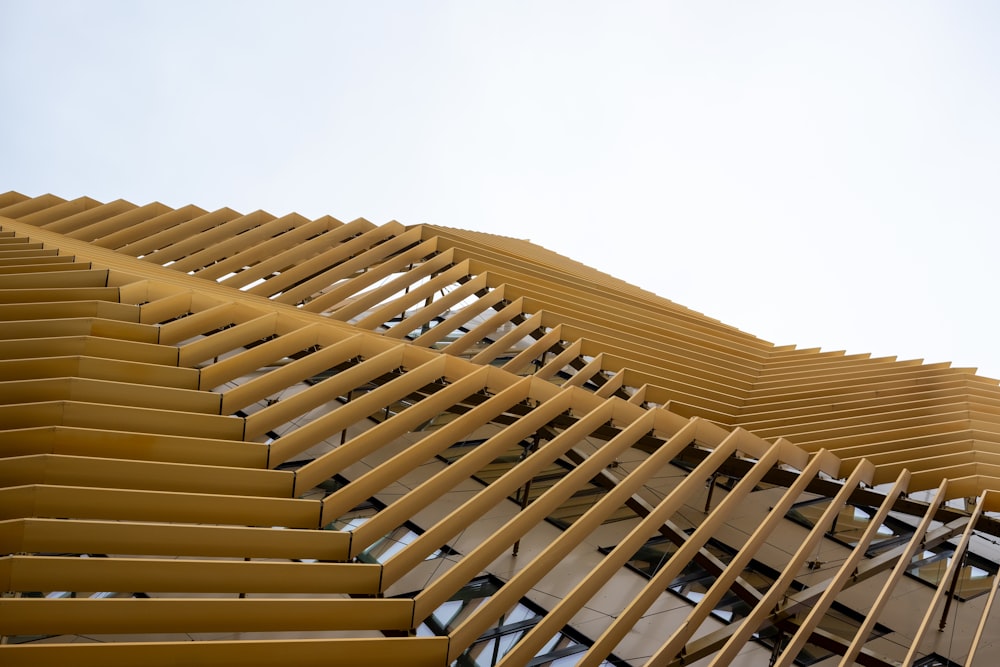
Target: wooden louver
x=245 y=440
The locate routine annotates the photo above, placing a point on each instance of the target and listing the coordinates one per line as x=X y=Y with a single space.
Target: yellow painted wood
x=24 y=282
x=440 y=276
x=424 y=262
x=559 y=361
x=84 y=326
x=589 y=370
x=50 y=502
x=258 y=357
x=63 y=470
x=486 y=327
x=119 y=238
x=26 y=348
x=200 y=322
x=626 y=547
x=244 y=333
x=844 y=571
x=209 y=259
x=108 y=392
x=536 y=350
x=734 y=569
x=977 y=639
x=118 y=417
x=429 y=490
x=922 y=634
x=460 y=318
x=90 y=231
x=359 y=273
x=134 y=616
x=440 y=306
x=69 y=210
x=355 y=410
x=28 y=205
x=874 y=613
x=67 y=293
x=162 y=539
x=23 y=248
x=149 y=575
x=334 y=256
x=96 y=368
x=27 y=266
x=146 y=247
x=274 y=381
x=342 y=652
x=158 y=308
x=556 y=280
x=69 y=309
x=43 y=262
x=290 y=249
x=608 y=389
x=96 y=402
x=322 y=392
x=570 y=539
x=470 y=510
x=326 y=465
x=79 y=441
x=508 y=339
x=187 y=254
x=748 y=625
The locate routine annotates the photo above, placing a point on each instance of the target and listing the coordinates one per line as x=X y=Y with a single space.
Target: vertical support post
x=526 y=489
x=343 y=434
x=951 y=591
x=776 y=649
x=711 y=488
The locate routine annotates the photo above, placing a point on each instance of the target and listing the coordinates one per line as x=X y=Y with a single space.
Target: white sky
x=819 y=174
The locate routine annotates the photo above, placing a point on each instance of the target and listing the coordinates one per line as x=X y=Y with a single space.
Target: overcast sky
x=819 y=174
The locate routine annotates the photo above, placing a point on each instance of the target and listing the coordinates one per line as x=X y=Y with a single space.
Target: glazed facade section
x=248 y=439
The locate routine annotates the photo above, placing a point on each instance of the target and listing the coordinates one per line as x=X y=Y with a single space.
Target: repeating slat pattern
x=288 y=439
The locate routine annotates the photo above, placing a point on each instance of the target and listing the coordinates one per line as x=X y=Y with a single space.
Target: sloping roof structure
x=242 y=439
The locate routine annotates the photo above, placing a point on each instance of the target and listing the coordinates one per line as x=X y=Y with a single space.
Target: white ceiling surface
x=819 y=175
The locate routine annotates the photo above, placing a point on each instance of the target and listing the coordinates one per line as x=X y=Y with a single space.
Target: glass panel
x=851 y=523
x=975 y=577
x=694 y=582
x=935 y=660
x=498 y=640
x=387 y=546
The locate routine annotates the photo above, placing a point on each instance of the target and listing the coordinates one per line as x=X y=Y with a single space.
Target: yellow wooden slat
x=40 y=573
x=160 y=539
x=157 y=615
x=344 y=652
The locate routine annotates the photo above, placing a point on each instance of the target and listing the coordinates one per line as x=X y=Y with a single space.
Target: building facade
x=242 y=439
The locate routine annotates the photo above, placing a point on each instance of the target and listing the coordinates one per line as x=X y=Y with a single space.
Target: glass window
x=851 y=523
x=388 y=545
x=975 y=577
x=935 y=660
x=694 y=581
x=562 y=650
